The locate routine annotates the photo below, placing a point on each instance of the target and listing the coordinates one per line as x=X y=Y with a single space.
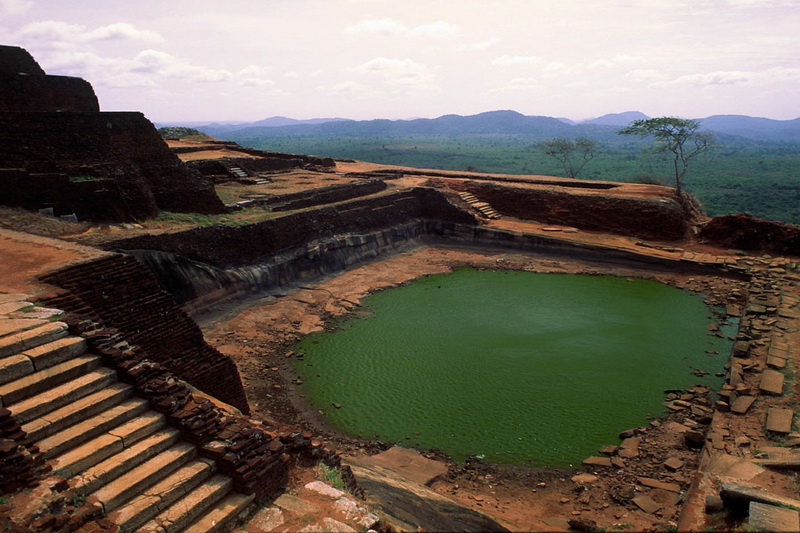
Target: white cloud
x=777 y=75
x=707 y=79
x=401 y=71
x=645 y=75
x=608 y=63
x=512 y=61
x=518 y=85
x=121 y=30
x=15 y=7
x=389 y=26
x=254 y=76
x=346 y=88
x=162 y=64
x=56 y=34
x=434 y=29
x=763 y=3
x=380 y=26
x=482 y=45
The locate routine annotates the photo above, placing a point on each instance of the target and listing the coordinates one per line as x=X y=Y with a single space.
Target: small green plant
x=79 y=179
x=331 y=475
x=78 y=500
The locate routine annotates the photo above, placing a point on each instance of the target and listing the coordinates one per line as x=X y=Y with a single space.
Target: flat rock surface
x=742 y=404
x=771 y=382
x=412 y=507
x=779 y=420
x=764 y=517
x=406 y=463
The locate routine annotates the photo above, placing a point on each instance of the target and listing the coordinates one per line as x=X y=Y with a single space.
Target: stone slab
x=765 y=517
x=295 y=505
x=9 y=326
x=597 y=461
x=723 y=464
x=629 y=448
x=774 y=361
x=656 y=484
x=771 y=382
x=779 y=420
x=742 y=404
x=10 y=307
x=267 y=519
x=407 y=463
x=673 y=464
x=9 y=297
x=740 y=492
x=323 y=488
x=646 y=504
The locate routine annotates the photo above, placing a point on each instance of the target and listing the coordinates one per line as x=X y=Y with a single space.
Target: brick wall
x=123 y=294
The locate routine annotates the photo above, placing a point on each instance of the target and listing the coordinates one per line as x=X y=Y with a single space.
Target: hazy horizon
x=576 y=120
x=247 y=60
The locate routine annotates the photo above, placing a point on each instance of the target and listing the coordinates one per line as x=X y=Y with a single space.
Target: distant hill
x=617 y=119
x=505 y=122
x=271 y=122
x=760 y=129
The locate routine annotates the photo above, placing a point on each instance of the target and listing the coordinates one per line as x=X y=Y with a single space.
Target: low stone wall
x=658 y=218
x=325 y=195
x=229 y=246
x=119 y=292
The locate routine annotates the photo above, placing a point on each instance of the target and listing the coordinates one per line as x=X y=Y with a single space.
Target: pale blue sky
x=250 y=59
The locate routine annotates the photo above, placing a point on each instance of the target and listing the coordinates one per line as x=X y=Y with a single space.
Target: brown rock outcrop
x=746 y=232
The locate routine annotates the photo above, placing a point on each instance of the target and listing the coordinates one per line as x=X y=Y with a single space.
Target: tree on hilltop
x=679 y=136
x=572 y=154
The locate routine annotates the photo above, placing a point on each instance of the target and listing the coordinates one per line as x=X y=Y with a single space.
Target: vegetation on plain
x=679 y=137
x=761 y=178
x=573 y=154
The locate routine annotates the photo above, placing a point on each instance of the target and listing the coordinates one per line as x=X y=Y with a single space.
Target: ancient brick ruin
x=58 y=151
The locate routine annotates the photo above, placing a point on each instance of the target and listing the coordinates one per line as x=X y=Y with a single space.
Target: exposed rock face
x=657 y=218
x=57 y=150
x=745 y=232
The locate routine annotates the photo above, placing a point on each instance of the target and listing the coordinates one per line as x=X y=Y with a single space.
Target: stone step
x=130 y=484
x=14 y=367
x=222 y=514
x=57 y=351
x=93 y=452
x=14 y=343
x=40 y=381
x=91 y=427
x=188 y=509
x=64 y=394
x=124 y=461
x=72 y=413
x=160 y=496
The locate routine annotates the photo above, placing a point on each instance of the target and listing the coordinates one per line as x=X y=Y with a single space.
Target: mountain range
x=498 y=122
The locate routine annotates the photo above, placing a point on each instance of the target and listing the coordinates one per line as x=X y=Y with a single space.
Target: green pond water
x=514 y=367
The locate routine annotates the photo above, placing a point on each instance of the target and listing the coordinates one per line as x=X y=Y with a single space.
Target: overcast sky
x=207 y=60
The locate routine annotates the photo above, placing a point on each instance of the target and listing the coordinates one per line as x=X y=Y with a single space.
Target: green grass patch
x=331 y=475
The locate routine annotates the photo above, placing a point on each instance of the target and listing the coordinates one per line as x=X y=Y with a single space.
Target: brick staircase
x=483 y=208
x=112 y=450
